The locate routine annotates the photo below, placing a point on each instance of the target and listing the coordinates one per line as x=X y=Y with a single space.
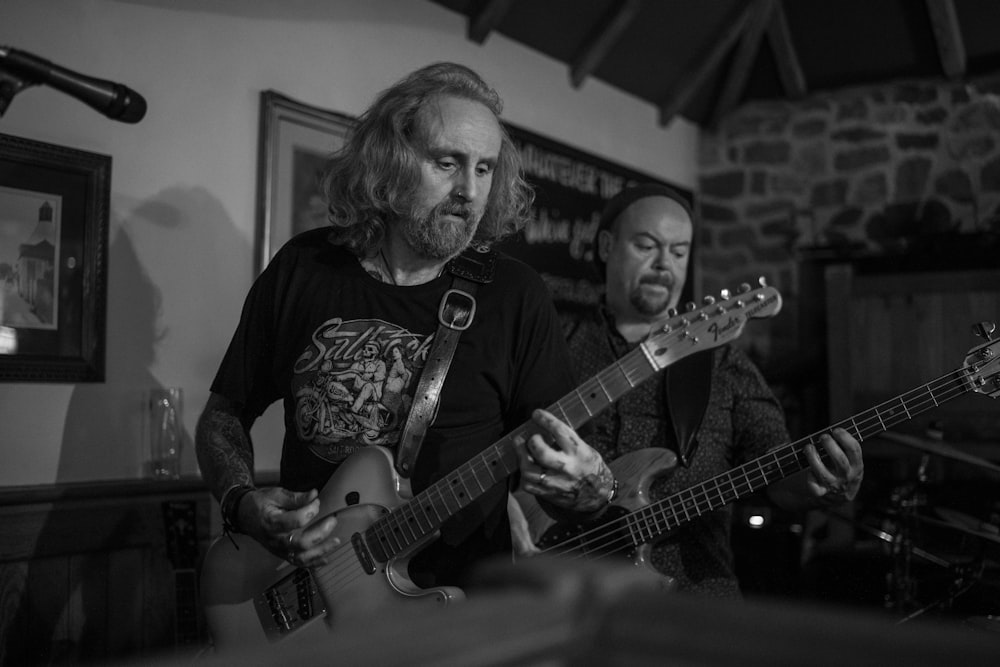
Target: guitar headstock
x=717 y=322
x=982 y=363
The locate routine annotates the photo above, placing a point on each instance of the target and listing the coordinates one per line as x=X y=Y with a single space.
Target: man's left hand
x=838 y=480
x=557 y=465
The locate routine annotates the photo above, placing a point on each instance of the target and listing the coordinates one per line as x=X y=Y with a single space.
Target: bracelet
x=229 y=506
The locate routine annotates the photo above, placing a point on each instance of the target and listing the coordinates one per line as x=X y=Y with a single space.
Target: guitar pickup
x=364 y=555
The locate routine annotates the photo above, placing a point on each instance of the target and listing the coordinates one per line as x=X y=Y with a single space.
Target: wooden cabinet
x=102 y=571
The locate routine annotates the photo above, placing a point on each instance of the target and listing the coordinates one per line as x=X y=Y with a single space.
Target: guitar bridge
x=288 y=604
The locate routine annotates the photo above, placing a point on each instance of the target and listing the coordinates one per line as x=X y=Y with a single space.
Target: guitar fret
x=649 y=522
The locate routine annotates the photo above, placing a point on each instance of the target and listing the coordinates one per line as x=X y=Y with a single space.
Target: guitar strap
x=688 y=383
x=455 y=314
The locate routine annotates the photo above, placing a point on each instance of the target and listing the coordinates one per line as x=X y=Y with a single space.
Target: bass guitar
x=634 y=523
x=251 y=596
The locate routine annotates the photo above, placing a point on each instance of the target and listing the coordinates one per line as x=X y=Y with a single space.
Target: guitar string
x=635 y=362
x=386 y=528
x=620 y=537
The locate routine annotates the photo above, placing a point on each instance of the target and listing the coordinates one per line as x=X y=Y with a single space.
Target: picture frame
x=295 y=141
x=54 y=211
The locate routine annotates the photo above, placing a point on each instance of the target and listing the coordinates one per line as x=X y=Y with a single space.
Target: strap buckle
x=454 y=314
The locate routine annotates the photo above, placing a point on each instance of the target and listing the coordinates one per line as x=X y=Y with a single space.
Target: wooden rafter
x=948 y=34
x=789 y=68
x=746 y=53
x=488 y=18
x=679 y=94
x=600 y=43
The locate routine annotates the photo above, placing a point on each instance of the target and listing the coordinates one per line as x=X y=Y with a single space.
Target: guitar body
x=635 y=473
x=235 y=578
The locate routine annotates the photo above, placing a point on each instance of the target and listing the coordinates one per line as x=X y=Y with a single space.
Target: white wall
x=182 y=201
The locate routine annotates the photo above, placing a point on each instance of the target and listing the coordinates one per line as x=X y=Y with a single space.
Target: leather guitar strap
x=455 y=315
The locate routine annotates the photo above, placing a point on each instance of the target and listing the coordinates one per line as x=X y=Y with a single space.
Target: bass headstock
x=982 y=363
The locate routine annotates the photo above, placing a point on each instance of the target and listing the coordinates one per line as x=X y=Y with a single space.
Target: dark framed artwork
x=294 y=143
x=54 y=209
x=571 y=188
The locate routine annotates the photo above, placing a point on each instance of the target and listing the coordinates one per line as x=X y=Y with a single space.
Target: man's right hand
x=283 y=521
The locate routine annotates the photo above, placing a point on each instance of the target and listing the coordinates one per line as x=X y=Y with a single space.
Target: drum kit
x=942 y=561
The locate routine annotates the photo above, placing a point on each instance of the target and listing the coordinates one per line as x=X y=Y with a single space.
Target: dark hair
x=371 y=180
x=625 y=198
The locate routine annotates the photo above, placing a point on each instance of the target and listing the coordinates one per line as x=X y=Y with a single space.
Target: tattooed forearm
x=225 y=453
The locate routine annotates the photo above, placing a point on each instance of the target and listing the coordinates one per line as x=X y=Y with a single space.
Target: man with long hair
x=427 y=179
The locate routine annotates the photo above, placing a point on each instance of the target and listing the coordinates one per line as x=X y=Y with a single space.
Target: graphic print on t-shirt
x=353 y=385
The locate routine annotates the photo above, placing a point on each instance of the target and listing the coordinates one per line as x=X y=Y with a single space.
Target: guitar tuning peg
x=984 y=330
x=690 y=306
x=708 y=300
x=744 y=288
x=725 y=294
x=671 y=312
x=762 y=281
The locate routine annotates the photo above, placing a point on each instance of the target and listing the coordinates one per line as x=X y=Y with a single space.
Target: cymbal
x=992 y=536
x=938 y=448
x=969 y=523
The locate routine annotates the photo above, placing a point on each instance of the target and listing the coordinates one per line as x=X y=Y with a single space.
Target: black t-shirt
x=344 y=351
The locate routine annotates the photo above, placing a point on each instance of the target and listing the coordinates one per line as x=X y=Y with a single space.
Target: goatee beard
x=653 y=306
x=432 y=236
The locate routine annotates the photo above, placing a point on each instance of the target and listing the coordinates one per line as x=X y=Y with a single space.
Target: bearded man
x=425 y=184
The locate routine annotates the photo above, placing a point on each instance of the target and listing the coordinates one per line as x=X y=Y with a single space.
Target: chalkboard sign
x=571 y=189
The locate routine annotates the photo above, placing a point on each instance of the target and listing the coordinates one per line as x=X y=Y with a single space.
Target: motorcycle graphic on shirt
x=353 y=385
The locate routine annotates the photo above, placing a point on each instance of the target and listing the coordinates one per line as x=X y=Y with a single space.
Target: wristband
x=229 y=506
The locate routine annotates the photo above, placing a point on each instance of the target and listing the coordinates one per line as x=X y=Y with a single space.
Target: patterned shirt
x=742 y=421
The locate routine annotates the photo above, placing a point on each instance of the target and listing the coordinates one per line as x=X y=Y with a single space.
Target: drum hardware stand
x=965 y=577
x=901 y=593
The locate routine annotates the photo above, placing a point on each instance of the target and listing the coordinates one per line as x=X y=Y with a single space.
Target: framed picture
x=53 y=261
x=295 y=141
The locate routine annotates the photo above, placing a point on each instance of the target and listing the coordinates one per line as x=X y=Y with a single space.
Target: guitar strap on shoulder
x=455 y=315
x=688 y=383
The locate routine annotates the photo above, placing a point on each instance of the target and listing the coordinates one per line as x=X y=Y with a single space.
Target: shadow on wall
x=106 y=590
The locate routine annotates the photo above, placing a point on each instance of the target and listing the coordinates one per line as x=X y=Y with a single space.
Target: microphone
x=114 y=100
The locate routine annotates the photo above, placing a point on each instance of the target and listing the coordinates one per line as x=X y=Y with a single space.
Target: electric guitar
x=634 y=523
x=252 y=597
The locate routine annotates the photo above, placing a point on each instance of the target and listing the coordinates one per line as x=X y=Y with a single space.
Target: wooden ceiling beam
x=600 y=43
x=677 y=97
x=488 y=18
x=789 y=68
x=746 y=53
x=948 y=35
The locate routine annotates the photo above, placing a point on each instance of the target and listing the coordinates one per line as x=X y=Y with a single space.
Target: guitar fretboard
x=652 y=521
x=424 y=514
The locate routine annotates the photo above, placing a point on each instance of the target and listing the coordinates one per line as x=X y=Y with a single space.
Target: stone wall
x=860 y=172
x=907 y=172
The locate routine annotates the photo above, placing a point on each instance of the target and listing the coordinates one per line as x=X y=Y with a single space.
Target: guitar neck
x=664 y=515
x=413 y=521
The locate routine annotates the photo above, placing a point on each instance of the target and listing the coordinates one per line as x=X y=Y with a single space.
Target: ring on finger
x=541 y=478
